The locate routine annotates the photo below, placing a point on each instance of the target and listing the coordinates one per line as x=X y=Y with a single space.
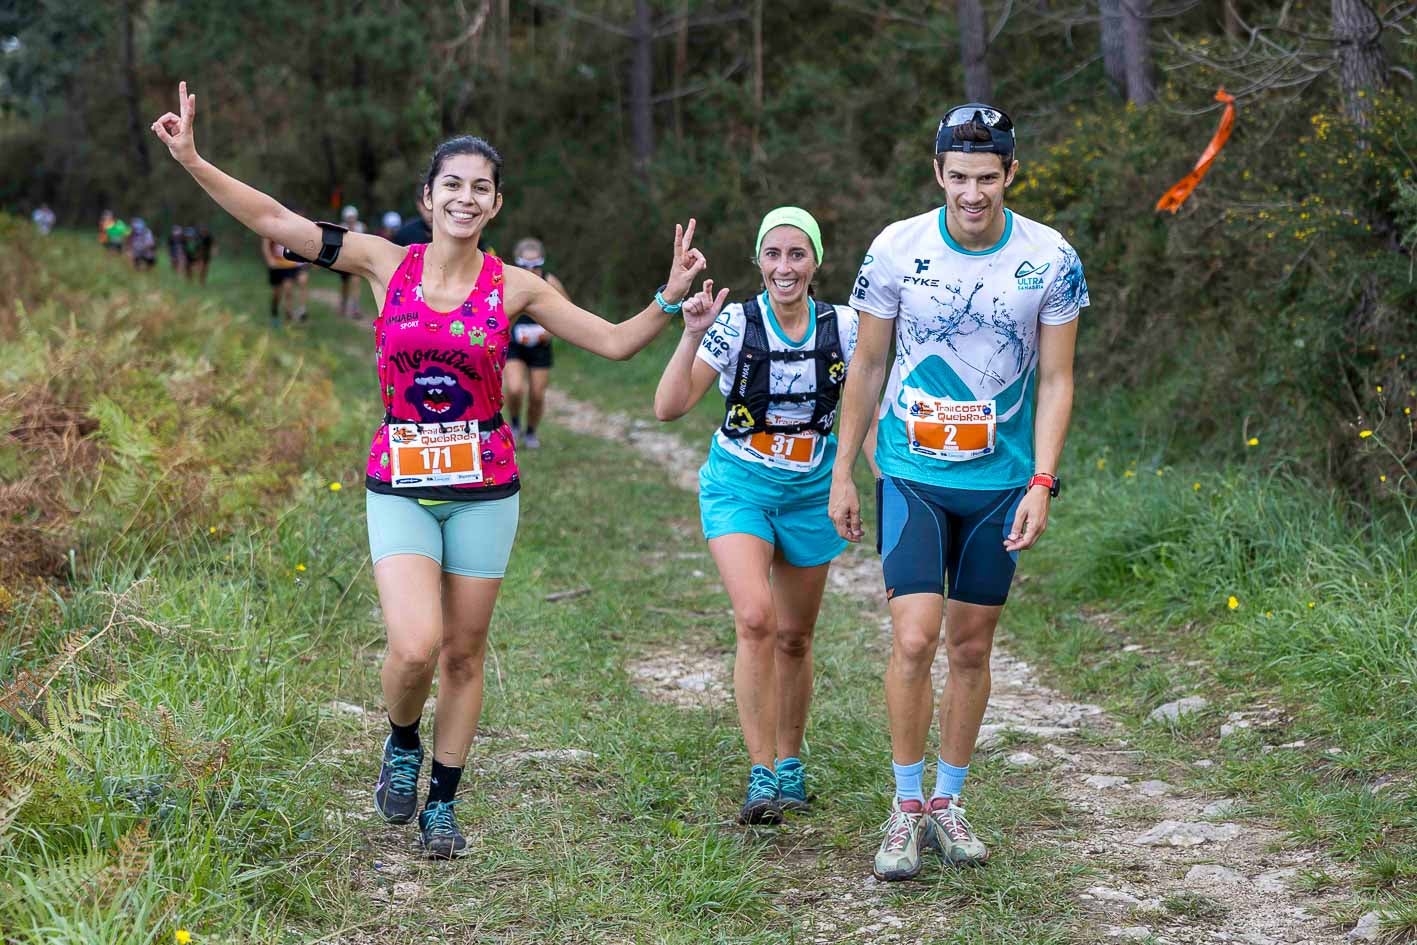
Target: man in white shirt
x=982 y=305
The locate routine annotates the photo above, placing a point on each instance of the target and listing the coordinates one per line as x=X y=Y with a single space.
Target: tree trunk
x=972 y=42
x=1135 y=29
x=138 y=134
x=1233 y=26
x=681 y=69
x=757 y=75
x=1362 y=67
x=641 y=88
x=1114 y=51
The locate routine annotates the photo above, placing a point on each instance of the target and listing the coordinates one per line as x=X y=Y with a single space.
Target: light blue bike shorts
x=471 y=538
x=792 y=518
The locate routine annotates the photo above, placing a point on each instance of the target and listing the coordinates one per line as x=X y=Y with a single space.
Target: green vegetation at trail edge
x=1127 y=601
x=1275 y=305
x=176 y=751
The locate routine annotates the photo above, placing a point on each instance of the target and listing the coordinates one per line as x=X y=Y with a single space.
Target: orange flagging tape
x=1173 y=198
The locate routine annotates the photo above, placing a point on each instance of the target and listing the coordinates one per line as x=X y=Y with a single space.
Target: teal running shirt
x=959 y=405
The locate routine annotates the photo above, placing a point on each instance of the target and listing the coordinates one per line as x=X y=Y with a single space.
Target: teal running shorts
x=791 y=519
x=470 y=538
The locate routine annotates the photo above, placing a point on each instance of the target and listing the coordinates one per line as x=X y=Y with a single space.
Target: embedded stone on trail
x=1368 y=929
x=1230 y=728
x=346 y=708
x=1023 y=759
x=1103 y=894
x=1131 y=933
x=1153 y=788
x=552 y=755
x=1276 y=881
x=1173 y=711
x=1104 y=782
x=991 y=734
x=1210 y=875
x=1221 y=808
x=1177 y=833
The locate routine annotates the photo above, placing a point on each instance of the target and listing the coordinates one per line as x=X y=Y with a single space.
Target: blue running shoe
x=438 y=831
x=396 y=793
x=792 y=787
x=761 y=805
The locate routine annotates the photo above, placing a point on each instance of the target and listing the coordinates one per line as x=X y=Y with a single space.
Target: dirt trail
x=1173 y=866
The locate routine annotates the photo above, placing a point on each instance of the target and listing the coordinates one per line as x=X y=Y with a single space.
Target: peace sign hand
x=175 y=131
x=701 y=309
x=688 y=263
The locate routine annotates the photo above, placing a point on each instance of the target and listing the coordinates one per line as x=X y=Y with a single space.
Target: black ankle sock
x=530 y=430
x=406 y=736
x=443 y=784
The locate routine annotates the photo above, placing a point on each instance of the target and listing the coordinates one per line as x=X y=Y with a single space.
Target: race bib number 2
x=786 y=450
x=435 y=454
x=951 y=430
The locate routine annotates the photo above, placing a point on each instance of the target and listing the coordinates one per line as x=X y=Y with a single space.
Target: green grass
x=195 y=773
x=1147 y=553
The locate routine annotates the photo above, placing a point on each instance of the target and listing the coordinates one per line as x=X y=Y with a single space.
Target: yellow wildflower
x=1364 y=434
x=1233 y=603
x=1311 y=605
x=1102 y=463
x=1129 y=474
x=212 y=530
x=1253 y=441
x=1196 y=487
x=1380 y=388
x=335 y=487
x=300 y=567
x=1382 y=479
x=182 y=936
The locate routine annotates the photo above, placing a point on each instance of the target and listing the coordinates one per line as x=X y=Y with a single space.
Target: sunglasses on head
x=985 y=114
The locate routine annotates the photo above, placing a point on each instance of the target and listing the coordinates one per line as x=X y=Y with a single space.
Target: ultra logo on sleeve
x=435 y=454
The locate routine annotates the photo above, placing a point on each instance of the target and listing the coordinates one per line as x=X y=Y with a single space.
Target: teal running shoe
x=761 y=805
x=438 y=832
x=792 y=787
x=396 y=792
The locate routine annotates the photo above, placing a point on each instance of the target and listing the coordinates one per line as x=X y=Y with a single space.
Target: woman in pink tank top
x=441 y=479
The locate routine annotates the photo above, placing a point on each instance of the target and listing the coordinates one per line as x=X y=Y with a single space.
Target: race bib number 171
x=951 y=430
x=435 y=454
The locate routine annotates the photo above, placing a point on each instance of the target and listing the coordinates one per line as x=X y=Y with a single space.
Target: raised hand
x=701 y=309
x=175 y=131
x=688 y=263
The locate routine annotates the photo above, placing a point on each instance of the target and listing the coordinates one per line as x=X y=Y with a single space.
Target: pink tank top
x=444 y=366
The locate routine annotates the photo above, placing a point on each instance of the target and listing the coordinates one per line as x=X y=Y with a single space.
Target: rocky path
x=1170 y=866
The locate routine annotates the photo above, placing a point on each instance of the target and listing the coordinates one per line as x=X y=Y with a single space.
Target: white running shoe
x=907 y=828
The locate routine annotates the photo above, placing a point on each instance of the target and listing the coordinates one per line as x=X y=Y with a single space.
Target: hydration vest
x=751 y=396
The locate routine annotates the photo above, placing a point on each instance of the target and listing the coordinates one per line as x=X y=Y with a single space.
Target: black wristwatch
x=1053 y=483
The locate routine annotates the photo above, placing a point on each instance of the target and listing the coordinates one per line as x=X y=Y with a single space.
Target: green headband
x=791 y=216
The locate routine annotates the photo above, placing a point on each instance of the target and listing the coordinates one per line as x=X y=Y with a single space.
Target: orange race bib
x=786 y=450
x=951 y=430
x=435 y=454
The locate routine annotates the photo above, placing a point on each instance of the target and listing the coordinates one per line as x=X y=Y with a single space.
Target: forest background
x=1271 y=317
x=1277 y=306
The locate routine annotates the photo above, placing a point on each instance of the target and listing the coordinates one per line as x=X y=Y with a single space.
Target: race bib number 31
x=435 y=454
x=951 y=430
x=787 y=451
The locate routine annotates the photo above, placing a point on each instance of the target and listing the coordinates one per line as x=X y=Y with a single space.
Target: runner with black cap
x=779 y=359
x=982 y=305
